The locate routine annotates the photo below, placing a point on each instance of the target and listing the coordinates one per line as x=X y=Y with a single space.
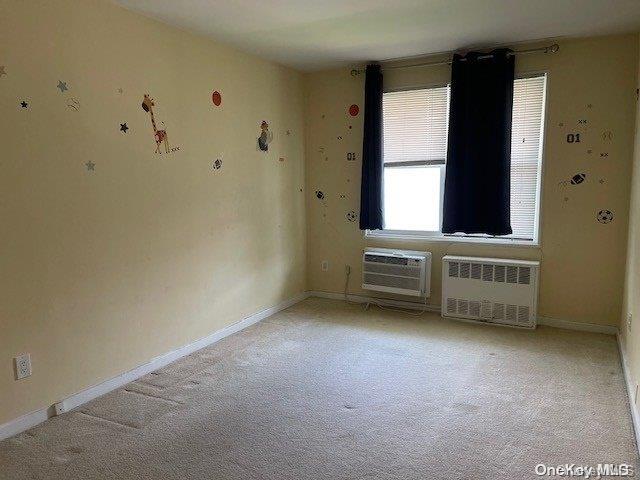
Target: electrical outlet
x=629 y=320
x=324 y=265
x=23 y=366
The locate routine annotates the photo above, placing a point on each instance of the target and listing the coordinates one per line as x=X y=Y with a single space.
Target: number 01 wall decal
x=573 y=137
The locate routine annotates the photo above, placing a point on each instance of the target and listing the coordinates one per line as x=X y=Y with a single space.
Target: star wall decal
x=601 y=181
x=62 y=86
x=123 y=127
x=2 y=71
x=24 y=104
x=90 y=166
x=120 y=90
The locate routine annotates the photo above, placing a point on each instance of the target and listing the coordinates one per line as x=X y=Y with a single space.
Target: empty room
x=289 y=240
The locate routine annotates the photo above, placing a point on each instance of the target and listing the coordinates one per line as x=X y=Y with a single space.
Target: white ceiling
x=311 y=35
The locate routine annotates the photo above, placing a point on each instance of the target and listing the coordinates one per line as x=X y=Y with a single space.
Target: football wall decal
x=578 y=178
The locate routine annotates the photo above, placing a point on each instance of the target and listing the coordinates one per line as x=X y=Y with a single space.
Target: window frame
x=438 y=236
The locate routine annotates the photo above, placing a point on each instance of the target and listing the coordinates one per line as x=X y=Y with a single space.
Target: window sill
x=438 y=237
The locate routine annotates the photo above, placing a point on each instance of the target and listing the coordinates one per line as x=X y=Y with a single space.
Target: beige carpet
x=325 y=390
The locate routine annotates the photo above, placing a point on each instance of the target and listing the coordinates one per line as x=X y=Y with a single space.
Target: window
x=415 y=126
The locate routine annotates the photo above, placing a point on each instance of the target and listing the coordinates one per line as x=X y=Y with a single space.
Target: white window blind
x=415 y=125
x=415 y=129
x=526 y=149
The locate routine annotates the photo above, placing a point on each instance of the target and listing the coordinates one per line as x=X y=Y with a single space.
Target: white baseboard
x=584 y=327
x=630 y=392
x=25 y=422
x=551 y=322
x=384 y=301
x=32 y=419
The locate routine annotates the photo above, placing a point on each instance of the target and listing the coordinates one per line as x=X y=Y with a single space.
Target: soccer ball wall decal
x=605 y=216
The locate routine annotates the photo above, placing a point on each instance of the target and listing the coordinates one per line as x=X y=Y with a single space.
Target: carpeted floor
x=325 y=390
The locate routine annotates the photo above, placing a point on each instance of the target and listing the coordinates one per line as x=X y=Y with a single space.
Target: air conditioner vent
x=498 y=311
x=385 y=259
x=474 y=308
x=404 y=272
x=499 y=275
x=464 y=270
x=512 y=274
x=524 y=275
x=487 y=273
x=476 y=268
x=512 y=314
x=463 y=307
x=386 y=269
x=404 y=283
x=453 y=269
x=523 y=314
x=486 y=310
x=452 y=305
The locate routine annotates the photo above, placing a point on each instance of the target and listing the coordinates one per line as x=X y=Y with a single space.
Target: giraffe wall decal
x=160 y=135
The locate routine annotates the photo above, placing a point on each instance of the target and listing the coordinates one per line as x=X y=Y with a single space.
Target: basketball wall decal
x=216 y=98
x=354 y=110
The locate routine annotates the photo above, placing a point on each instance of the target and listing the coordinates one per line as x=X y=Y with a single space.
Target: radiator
x=490 y=290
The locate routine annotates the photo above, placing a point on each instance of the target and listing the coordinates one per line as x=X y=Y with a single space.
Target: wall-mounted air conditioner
x=405 y=272
x=490 y=290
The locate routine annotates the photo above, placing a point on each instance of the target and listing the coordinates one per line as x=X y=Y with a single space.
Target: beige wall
x=630 y=338
x=103 y=270
x=582 y=260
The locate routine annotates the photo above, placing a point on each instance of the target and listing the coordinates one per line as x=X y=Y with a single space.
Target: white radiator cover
x=490 y=290
x=405 y=272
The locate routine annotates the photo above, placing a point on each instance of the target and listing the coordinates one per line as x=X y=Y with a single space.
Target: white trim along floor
x=29 y=420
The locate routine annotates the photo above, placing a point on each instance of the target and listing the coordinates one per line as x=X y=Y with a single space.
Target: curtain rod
x=548 y=49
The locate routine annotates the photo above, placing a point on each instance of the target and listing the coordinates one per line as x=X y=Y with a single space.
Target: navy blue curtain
x=477 y=195
x=372 y=164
